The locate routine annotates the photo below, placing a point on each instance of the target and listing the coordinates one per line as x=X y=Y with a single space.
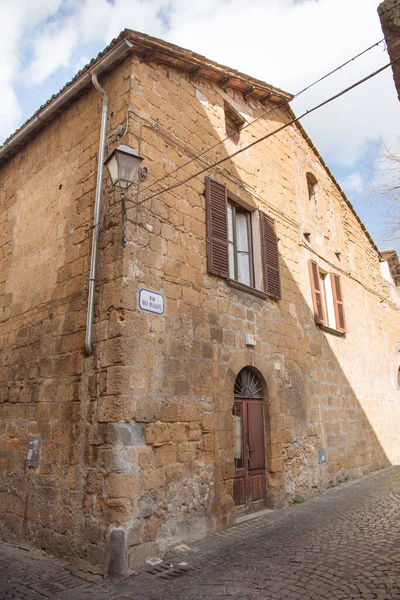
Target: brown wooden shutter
x=217 y=228
x=316 y=292
x=272 y=280
x=338 y=302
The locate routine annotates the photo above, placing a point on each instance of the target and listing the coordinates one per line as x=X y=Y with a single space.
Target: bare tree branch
x=386 y=185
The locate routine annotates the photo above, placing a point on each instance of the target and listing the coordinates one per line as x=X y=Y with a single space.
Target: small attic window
x=233 y=120
x=312 y=187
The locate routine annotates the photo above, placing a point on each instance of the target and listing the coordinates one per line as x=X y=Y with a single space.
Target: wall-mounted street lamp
x=123 y=166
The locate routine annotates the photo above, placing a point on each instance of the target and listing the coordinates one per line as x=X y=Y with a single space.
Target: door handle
x=249 y=450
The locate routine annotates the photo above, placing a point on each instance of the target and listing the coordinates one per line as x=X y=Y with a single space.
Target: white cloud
x=18 y=19
x=284 y=42
x=290 y=46
x=9 y=109
x=94 y=17
x=354 y=182
x=80 y=62
x=86 y=21
x=52 y=51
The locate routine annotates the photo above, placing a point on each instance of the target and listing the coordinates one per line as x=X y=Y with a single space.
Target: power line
x=266 y=114
x=264 y=137
x=339 y=67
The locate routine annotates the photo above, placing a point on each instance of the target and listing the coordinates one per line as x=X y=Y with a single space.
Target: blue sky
x=288 y=43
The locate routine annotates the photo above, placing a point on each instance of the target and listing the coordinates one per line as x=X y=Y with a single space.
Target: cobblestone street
x=342 y=544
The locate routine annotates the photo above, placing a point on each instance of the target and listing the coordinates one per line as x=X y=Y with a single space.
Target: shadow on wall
x=310 y=403
x=190 y=355
x=42 y=334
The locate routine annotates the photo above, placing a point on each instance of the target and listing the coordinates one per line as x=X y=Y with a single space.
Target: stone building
x=267 y=367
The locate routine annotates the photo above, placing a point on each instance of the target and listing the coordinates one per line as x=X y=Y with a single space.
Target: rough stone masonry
x=389 y=14
x=137 y=440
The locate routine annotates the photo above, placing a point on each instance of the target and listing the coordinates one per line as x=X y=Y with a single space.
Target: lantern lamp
x=123 y=166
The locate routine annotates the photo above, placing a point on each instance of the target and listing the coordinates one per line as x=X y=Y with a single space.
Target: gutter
x=45 y=115
x=119 y=51
x=96 y=218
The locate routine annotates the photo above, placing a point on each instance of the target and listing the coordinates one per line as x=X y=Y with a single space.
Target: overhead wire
x=262 y=116
x=266 y=136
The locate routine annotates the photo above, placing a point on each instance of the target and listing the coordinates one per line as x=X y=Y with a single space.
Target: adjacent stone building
x=267 y=367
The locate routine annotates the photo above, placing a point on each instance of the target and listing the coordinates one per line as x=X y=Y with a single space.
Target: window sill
x=246 y=288
x=331 y=330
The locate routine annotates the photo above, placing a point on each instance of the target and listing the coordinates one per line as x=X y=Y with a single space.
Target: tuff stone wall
x=46 y=381
x=321 y=391
x=137 y=441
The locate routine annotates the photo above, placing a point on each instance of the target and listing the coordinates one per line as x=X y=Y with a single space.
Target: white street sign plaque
x=151 y=301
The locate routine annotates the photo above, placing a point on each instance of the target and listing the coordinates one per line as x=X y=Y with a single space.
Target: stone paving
x=342 y=544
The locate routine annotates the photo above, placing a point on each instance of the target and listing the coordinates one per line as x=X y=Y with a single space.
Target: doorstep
x=253 y=515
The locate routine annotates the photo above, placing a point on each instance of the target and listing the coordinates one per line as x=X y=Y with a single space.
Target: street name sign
x=151 y=301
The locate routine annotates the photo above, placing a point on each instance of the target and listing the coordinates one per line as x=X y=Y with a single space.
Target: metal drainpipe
x=96 y=219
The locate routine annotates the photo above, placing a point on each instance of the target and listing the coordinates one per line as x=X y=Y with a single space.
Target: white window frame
x=255 y=241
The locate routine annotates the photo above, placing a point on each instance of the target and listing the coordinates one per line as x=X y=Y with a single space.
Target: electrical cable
x=270 y=134
x=266 y=114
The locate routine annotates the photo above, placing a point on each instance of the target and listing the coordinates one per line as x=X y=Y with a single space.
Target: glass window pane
x=243 y=264
x=242 y=237
x=230 y=223
x=330 y=307
x=231 y=261
x=238 y=435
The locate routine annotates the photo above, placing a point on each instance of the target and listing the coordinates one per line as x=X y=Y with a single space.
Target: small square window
x=233 y=121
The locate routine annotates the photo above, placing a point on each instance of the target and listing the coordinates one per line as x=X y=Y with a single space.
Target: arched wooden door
x=248 y=423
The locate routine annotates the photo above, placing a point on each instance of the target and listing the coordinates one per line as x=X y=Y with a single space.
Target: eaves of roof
x=157 y=51
x=331 y=175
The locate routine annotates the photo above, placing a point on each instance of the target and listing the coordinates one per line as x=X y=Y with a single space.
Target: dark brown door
x=249 y=483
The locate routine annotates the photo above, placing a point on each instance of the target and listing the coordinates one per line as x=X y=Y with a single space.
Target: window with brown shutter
x=338 y=302
x=327 y=298
x=217 y=228
x=230 y=250
x=318 y=300
x=272 y=280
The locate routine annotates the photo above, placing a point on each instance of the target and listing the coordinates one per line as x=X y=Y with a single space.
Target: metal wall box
x=32 y=451
x=251 y=340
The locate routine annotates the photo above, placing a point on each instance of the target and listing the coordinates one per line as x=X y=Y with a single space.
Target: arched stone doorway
x=249 y=489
